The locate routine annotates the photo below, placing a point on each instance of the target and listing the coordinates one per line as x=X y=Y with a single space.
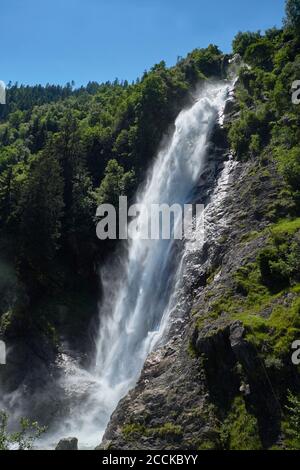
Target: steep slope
x=225 y=378
x=191 y=385
x=221 y=380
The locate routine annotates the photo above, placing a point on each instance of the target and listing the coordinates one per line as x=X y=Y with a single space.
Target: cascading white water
x=136 y=302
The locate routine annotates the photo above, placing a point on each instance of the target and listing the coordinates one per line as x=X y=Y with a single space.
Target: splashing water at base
x=137 y=290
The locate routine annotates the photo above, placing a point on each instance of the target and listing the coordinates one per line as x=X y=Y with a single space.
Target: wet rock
x=244 y=351
x=230 y=107
x=245 y=389
x=237 y=332
x=69 y=443
x=104 y=446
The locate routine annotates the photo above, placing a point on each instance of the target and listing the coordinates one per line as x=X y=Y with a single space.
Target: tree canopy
x=292 y=9
x=64 y=150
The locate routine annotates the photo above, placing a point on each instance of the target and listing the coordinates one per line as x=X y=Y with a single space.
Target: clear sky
x=57 y=41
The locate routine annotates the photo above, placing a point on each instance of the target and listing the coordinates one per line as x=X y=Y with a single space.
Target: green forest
x=63 y=152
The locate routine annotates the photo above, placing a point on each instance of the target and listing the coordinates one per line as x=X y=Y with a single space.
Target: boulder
x=69 y=443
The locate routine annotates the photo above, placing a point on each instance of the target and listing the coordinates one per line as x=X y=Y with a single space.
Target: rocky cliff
x=220 y=379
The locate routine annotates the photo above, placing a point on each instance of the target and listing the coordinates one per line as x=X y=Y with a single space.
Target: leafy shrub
x=289 y=166
x=22 y=439
x=293 y=423
x=243 y=40
x=275 y=272
x=247 y=133
x=260 y=54
x=240 y=430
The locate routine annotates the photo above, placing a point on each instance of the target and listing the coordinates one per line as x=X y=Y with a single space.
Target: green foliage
x=293 y=422
x=285 y=227
x=167 y=431
x=240 y=430
x=115 y=183
x=268 y=123
x=26 y=97
x=247 y=133
x=260 y=292
x=20 y=440
x=41 y=205
x=192 y=350
x=279 y=262
x=274 y=270
x=255 y=146
x=65 y=150
x=266 y=281
x=207 y=445
x=243 y=40
x=289 y=166
x=207 y=61
x=130 y=430
x=292 y=10
x=260 y=53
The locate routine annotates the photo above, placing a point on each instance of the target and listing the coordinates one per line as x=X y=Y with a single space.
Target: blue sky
x=57 y=41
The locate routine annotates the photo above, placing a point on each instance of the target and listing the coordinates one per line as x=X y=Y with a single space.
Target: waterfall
x=135 y=308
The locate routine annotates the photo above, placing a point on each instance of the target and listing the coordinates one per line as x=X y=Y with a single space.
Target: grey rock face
x=69 y=443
